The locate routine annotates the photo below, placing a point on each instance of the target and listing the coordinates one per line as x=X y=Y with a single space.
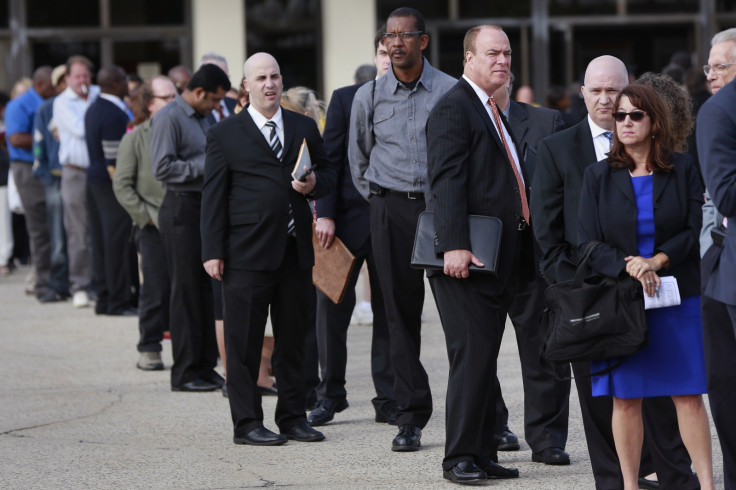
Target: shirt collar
x=261 y=120
x=115 y=100
x=482 y=95
x=184 y=105
x=596 y=130
x=425 y=78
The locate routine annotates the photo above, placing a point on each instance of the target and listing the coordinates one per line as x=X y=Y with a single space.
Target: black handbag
x=593 y=317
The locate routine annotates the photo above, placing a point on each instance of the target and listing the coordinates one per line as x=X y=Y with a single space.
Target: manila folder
x=332 y=267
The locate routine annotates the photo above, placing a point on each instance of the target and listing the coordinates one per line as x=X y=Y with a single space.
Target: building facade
x=320 y=43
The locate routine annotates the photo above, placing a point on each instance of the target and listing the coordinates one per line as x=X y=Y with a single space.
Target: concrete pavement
x=76 y=413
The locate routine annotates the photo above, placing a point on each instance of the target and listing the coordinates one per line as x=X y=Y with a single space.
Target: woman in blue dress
x=644 y=204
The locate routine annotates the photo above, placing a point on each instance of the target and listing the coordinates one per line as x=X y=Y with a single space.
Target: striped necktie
x=519 y=180
x=279 y=152
x=274 y=141
x=609 y=135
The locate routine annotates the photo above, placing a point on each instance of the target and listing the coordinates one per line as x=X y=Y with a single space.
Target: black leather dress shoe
x=325 y=411
x=213 y=377
x=198 y=385
x=551 y=455
x=261 y=437
x=644 y=483
x=465 y=473
x=304 y=433
x=268 y=390
x=386 y=413
x=224 y=390
x=408 y=439
x=509 y=441
x=496 y=471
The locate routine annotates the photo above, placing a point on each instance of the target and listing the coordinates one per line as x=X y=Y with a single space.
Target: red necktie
x=519 y=181
x=220 y=112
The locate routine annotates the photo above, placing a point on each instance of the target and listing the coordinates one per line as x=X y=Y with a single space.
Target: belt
x=187 y=193
x=75 y=167
x=377 y=190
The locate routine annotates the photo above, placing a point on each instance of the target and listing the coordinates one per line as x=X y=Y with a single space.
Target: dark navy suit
x=351 y=213
x=716 y=136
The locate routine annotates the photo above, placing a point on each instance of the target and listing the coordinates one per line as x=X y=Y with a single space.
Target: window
x=129 y=54
x=582 y=7
x=56 y=52
x=147 y=12
x=63 y=14
x=430 y=9
x=291 y=32
x=470 y=9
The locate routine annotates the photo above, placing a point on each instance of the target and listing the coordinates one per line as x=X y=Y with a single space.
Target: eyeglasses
x=405 y=36
x=167 y=98
x=635 y=116
x=717 y=69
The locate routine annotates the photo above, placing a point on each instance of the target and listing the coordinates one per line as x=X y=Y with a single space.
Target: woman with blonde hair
x=304 y=101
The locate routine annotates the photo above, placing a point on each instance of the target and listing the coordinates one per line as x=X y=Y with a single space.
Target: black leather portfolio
x=485 y=241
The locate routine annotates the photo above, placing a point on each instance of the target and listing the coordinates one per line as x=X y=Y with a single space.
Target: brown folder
x=332 y=268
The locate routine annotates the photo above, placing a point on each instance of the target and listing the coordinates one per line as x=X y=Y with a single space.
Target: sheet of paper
x=668 y=294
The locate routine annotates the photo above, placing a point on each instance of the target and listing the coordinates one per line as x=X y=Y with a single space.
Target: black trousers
x=247 y=296
x=191 y=313
x=333 y=321
x=153 y=303
x=719 y=339
x=546 y=396
x=110 y=229
x=663 y=451
x=393 y=225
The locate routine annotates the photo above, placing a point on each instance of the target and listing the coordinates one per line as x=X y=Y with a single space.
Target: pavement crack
x=14 y=432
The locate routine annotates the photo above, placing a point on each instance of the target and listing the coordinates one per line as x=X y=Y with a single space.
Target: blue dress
x=673 y=363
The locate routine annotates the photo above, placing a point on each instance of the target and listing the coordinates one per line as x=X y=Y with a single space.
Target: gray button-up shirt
x=178 y=142
x=396 y=157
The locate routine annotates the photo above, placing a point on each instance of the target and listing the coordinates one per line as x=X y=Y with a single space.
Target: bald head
x=605 y=77
x=263 y=83
x=180 y=75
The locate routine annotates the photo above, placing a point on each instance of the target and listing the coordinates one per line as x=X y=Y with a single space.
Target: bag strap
x=582 y=269
x=607 y=370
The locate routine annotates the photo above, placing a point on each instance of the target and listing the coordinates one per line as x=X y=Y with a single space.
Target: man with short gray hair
x=721 y=67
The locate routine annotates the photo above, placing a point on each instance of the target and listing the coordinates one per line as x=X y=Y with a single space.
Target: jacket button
x=436 y=242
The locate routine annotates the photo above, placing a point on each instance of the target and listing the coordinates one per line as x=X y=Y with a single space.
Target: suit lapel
x=583 y=146
x=483 y=113
x=519 y=122
x=289 y=130
x=248 y=126
x=659 y=182
x=622 y=179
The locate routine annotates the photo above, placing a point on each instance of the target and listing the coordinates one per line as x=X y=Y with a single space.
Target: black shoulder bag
x=594 y=317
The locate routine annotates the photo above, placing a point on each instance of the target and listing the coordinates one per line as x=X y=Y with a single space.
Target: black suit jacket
x=345 y=205
x=558 y=178
x=247 y=191
x=608 y=214
x=469 y=173
x=529 y=125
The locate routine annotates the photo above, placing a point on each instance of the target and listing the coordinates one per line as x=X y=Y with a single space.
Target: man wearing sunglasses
x=715 y=127
x=555 y=195
x=388 y=160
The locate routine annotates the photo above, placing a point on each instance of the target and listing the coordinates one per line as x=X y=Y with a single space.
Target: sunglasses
x=635 y=116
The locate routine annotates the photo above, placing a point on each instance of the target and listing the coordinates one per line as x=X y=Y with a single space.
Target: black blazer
x=608 y=214
x=529 y=125
x=717 y=150
x=247 y=191
x=345 y=205
x=558 y=178
x=469 y=173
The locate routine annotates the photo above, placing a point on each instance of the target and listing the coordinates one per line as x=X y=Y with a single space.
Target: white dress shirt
x=600 y=142
x=69 y=110
x=261 y=121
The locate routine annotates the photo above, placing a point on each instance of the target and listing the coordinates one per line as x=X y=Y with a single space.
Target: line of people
x=225 y=241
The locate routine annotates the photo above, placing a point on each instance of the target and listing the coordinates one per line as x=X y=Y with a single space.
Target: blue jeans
x=59 y=280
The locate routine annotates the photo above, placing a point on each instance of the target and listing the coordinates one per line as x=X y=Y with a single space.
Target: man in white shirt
x=69 y=109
